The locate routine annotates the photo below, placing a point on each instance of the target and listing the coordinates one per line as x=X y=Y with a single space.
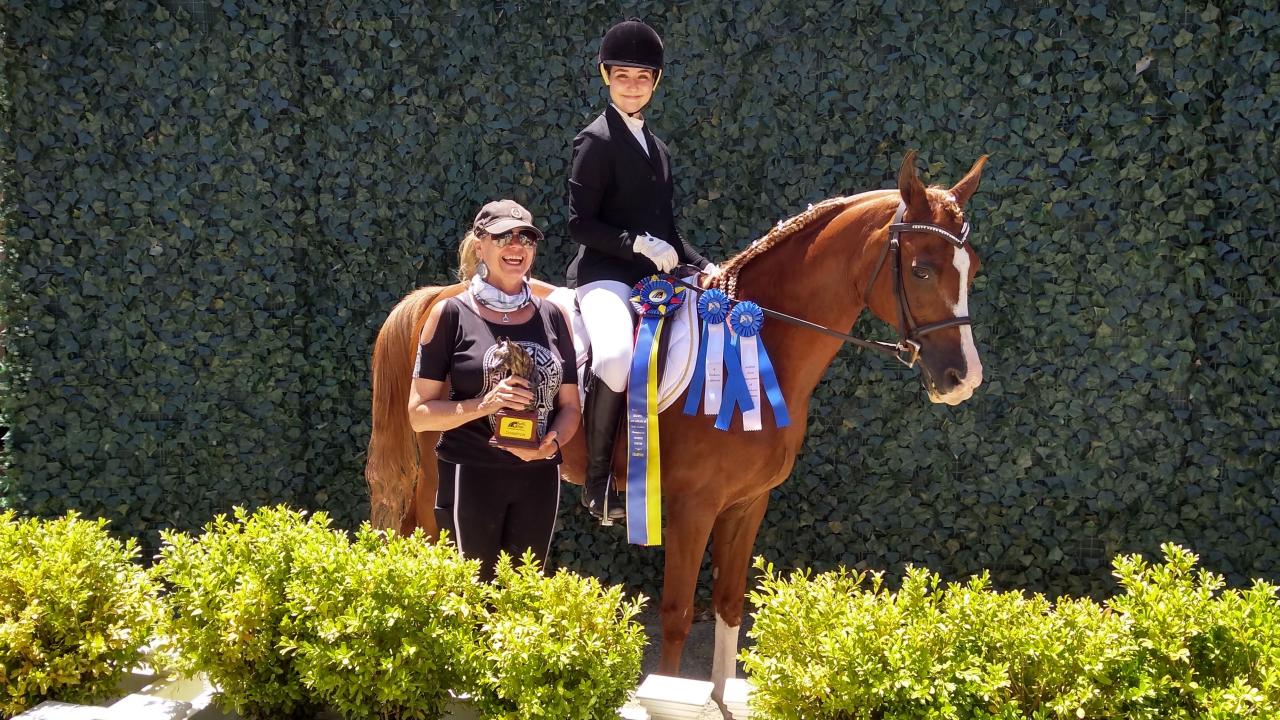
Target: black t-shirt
x=462 y=351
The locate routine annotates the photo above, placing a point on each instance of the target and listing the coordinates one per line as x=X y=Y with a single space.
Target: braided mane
x=727 y=280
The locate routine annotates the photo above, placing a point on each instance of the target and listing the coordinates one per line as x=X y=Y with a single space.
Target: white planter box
x=50 y=710
x=148 y=707
x=149 y=697
x=674 y=698
x=737 y=692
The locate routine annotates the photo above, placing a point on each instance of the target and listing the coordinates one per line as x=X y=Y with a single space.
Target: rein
x=877 y=345
x=907 y=349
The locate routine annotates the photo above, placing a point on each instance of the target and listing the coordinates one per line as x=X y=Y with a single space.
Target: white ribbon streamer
x=714 y=388
x=751 y=371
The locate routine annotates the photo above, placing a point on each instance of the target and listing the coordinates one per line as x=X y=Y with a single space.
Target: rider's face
x=630 y=88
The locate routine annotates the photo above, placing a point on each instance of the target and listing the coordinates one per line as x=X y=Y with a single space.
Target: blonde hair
x=468 y=256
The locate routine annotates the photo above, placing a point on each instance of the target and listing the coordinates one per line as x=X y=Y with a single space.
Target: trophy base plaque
x=516 y=429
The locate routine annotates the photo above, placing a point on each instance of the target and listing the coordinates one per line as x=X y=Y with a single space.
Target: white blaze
x=973 y=366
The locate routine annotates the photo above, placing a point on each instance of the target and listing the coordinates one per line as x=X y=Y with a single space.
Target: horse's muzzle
x=953 y=385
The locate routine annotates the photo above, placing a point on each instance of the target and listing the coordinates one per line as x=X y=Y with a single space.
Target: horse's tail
x=391 y=469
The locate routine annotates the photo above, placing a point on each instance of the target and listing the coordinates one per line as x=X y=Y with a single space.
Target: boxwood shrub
x=289 y=616
x=75 y=610
x=1173 y=645
x=230 y=607
x=561 y=646
x=1204 y=651
x=384 y=627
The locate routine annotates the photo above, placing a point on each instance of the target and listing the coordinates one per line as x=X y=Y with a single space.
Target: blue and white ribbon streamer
x=707 y=385
x=736 y=391
x=655 y=299
x=746 y=320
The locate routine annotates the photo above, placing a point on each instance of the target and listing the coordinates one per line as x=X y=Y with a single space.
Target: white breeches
x=607 y=314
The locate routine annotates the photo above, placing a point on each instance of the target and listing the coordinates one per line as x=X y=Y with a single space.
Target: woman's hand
x=512 y=394
x=545 y=451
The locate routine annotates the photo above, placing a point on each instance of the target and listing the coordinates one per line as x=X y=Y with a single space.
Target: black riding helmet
x=633 y=44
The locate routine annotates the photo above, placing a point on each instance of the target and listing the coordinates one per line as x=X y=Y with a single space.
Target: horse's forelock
x=944 y=198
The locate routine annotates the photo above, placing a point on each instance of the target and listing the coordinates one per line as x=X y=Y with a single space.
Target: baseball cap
x=500 y=216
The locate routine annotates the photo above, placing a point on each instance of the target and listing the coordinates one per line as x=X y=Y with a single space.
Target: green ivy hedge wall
x=211 y=205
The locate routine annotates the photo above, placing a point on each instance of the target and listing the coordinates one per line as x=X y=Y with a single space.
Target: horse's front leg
x=731 y=544
x=688 y=527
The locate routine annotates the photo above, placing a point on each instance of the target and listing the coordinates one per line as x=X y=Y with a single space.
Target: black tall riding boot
x=601 y=415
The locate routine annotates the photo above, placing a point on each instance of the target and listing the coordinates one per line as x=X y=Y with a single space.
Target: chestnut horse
x=824 y=266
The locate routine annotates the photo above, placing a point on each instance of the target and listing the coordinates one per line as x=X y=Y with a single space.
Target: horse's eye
x=922 y=272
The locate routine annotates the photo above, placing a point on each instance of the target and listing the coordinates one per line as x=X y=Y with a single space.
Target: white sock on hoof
x=724 y=664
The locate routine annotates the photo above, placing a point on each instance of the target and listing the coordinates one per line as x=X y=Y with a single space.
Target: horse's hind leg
x=688 y=526
x=732 y=540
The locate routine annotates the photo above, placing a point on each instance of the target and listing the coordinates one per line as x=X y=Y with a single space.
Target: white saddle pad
x=682 y=345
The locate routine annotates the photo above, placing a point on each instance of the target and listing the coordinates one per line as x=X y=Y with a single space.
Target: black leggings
x=488 y=510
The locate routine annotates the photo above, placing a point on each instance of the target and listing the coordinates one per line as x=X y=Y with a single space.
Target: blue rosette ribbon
x=654 y=299
x=746 y=319
x=707 y=386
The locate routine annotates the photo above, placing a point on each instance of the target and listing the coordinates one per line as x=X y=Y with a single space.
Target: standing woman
x=620 y=211
x=490 y=499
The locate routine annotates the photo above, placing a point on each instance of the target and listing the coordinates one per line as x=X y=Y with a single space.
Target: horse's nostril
x=954 y=377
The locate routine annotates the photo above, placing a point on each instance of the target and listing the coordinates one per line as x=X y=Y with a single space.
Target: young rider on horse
x=620 y=211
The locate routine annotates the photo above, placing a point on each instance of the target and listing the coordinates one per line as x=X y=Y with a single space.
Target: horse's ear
x=910 y=187
x=964 y=189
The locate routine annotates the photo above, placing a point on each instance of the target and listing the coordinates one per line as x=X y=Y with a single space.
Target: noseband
x=907 y=350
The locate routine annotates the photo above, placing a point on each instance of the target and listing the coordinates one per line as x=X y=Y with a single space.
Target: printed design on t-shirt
x=546 y=380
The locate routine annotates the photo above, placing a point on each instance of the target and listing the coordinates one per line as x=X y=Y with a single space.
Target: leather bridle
x=909 y=333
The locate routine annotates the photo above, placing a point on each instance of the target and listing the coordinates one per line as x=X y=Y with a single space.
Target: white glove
x=659 y=251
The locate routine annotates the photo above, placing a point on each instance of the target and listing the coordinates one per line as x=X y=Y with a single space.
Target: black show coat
x=617 y=192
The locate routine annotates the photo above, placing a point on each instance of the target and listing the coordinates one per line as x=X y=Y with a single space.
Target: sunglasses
x=502 y=240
